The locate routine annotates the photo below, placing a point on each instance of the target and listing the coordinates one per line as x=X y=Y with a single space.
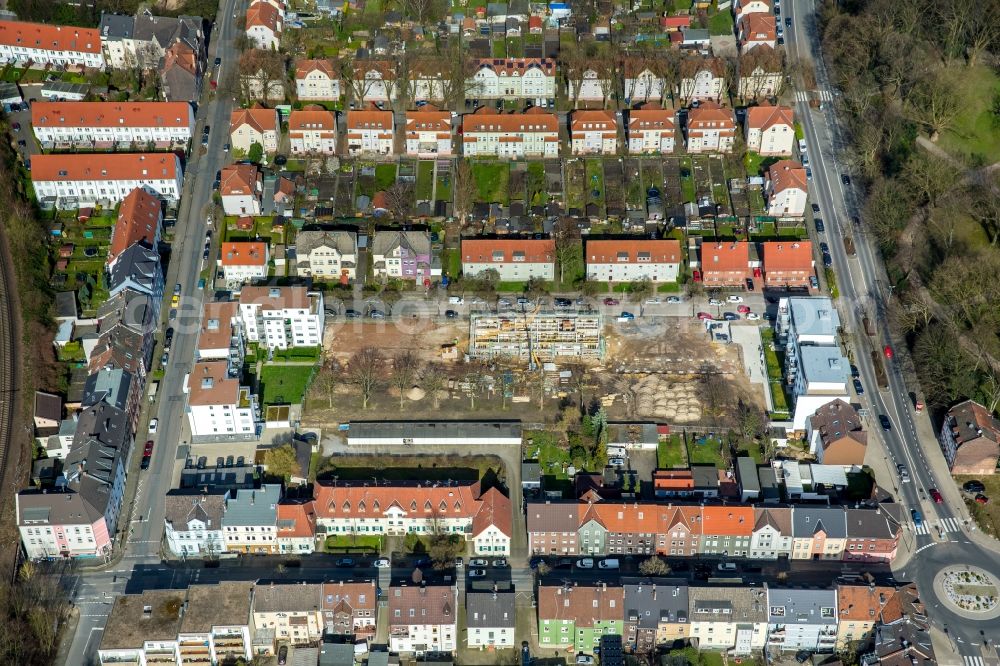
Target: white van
x=616 y=451
x=610 y=563
x=455 y=300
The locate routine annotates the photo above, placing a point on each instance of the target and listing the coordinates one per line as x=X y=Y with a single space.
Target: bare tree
x=752 y=420
x=464 y=189
x=458 y=79
x=574 y=64
x=260 y=72
x=654 y=566
x=328 y=379
x=566 y=237
x=399 y=200
x=365 y=371
x=432 y=379
x=983 y=31
x=363 y=78
x=421 y=11
x=760 y=74
x=405 y=370
x=605 y=66
x=935 y=102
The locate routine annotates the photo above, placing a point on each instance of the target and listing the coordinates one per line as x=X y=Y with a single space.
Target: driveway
x=752 y=350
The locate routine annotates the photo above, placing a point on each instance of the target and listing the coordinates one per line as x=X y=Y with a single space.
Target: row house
x=514 y=79
x=403 y=255
x=589 y=87
x=642 y=84
x=534 y=133
x=244 y=261
x=218 y=407
x=317 y=81
x=241 y=187
x=633 y=260
x=146 y=41
x=327 y=256
x=293 y=611
x=350 y=608
x=42 y=44
x=731 y=619
x=787 y=264
x=761 y=73
x=374 y=81
x=423 y=618
x=282 y=317
x=427 y=508
x=105 y=125
x=192 y=521
x=723 y=264
x=786 y=190
x=742 y=8
x=801 y=619
x=594 y=133
x=127 y=326
x=756 y=29
x=770 y=130
x=490 y=617
x=970 y=439
x=577 y=615
x=836 y=435
x=250 y=520
x=257 y=125
x=369 y=132
x=702 y=79
x=140 y=217
x=512 y=259
x=428 y=132
x=312 y=130
x=733 y=530
x=711 y=128
x=117 y=387
x=656 y=613
x=652 y=130
x=74 y=180
x=264 y=24
x=296 y=528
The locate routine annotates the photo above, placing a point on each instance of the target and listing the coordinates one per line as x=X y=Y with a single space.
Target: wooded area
x=931 y=201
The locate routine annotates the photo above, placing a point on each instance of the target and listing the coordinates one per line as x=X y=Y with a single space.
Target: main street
x=143 y=521
x=946 y=538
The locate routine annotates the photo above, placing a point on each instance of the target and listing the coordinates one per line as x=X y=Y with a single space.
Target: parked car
x=477 y=573
x=563 y=302
x=653 y=301
x=855 y=372
x=815 y=208
x=145 y=462
x=973 y=486
x=845 y=179
x=809 y=173
x=500 y=562
x=752 y=316
x=749 y=283
x=585 y=563
x=148 y=449
x=584 y=660
x=282 y=655
x=982 y=499
x=345 y=563
x=936 y=496
x=164 y=358
x=820 y=227
x=152 y=426
x=479 y=563
x=673 y=299
x=704 y=316
x=813 y=282
x=727 y=566
x=918 y=518
x=382 y=563
x=714 y=301
x=376 y=314
x=609 y=563
x=730 y=316
x=734 y=299
x=218 y=61
x=611 y=301
x=888 y=352
x=788 y=22
x=827 y=259
x=451 y=314
x=743 y=309
x=628 y=316
x=616 y=462
x=858 y=387
x=884 y=422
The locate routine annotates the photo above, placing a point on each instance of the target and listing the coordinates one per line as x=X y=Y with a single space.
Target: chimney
x=654 y=591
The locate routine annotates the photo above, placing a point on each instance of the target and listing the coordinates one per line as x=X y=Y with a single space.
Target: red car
x=148 y=451
x=704 y=316
x=936 y=496
x=888 y=352
x=743 y=309
x=611 y=301
x=982 y=499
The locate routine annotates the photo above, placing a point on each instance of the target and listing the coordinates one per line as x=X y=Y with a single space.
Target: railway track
x=8 y=363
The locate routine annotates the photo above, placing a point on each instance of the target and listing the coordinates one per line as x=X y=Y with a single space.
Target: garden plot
x=702 y=177
x=535 y=187
x=443 y=181
x=424 y=187
x=344 y=203
x=635 y=193
x=720 y=193
x=576 y=175
x=407 y=171
x=672 y=182
x=554 y=180
x=594 y=184
x=614 y=185
x=518 y=182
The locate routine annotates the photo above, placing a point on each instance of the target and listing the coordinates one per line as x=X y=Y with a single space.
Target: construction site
x=539 y=336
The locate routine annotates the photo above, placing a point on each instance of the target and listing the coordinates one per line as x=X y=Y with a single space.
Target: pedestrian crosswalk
x=973 y=661
x=945 y=525
x=806 y=95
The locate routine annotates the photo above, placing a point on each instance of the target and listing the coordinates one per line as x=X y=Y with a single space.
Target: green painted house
x=578 y=615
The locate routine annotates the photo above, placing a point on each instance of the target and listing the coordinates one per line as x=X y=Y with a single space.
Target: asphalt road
x=944 y=538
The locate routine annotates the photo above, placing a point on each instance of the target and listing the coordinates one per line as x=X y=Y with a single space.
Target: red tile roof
x=260 y=119
x=673 y=479
x=113 y=166
x=50 y=37
x=725 y=257
x=585 y=604
x=536 y=251
x=313 y=118
x=757 y=27
x=659 y=251
x=265 y=15
x=532 y=120
x=244 y=253
x=518 y=66
x=369 y=119
x=765 y=116
x=428 y=119
x=686 y=517
x=651 y=117
x=110 y=114
x=727 y=520
x=593 y=121
x=239 y=179
x=296 y=520
x=676 y=22
x=305 y=67
x=138 y=218
x=494 y=509
x=786 y=174
x=711 y=115
x=787 y=256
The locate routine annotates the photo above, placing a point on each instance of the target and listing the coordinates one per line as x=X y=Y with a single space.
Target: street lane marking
x=973 y=661
x=925 y=547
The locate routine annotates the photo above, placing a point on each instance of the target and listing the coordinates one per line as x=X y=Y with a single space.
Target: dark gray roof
x=102 y=440
x=110 y=385
x=228 y=478
x=165 y=30
x=336 y=654
x=489 y=609
x=48 y=406
x=880 y=523
x=705 y=476
x=807 y=521
x=622 y=433
x=531 y=471
x=184 y=505
x=795 y=606
x=253 y=507
x=66 y=305
x=727 y=604
x=115 y=27
x=179 y=85
x=746 y=467
x=137 y=267
x=651 y=601
x=385 y=242
x=129 y=308
x=281 y=597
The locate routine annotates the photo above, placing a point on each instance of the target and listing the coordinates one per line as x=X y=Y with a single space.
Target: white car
x=382 y=563
x=653 y=301
x=477 y=573
x=734 y=299
x=585 y=563
x=584 y=660
x=152 y=426
x=714 y=301
x=479 y=563
x=753 y=316
x=673 y=299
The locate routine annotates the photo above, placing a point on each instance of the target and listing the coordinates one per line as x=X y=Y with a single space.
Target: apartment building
x=264 y=24
x=836 y=435
x=577 y=615
x=490 y=617
x=423 y=618
x=723 y=264
x=293 y=611
x=631 y=260
x=428 y=132
x=249 y=523
x=593 y=133
x=589 y=86
x=534 y=133
x=192 y=519
x=801 y=619
x=312 y=130
x=77 y=179
x=296 y=527
x=143 y=629
x=532 y=79
x=733 y=619
x=241 y=187
x=652 y=130
x=369 y=132
x=656 y=613
x=136 y=269
x=859 y=610
x=256 y=125
x=127 y=324
x=43 y=44
x=373 y=81
x=702 y=79
x=711 y=128
x=350 y=608
x=642 y=84
x=218 y=408
x=770 y=130
x=618 y=529
x=404 y=255
x=726 y=530
x=970 y=439
x=139 y=218
x=327 y=256
x=244 y=261
x=787 y=263
x=282 y=317
x=755 y=30
x=553 y=528
x=786 y=189
x=317 y=80
x=546 y=336
x=221 y=335
x=818 y=533
x=106 y=125
x=873 y=536
x=400 y=508
x=514 y=259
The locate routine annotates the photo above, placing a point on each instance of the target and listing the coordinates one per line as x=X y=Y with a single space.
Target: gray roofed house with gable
x=138 y=268
x=743 y=608
x=800 y=619
x=553 y=528
x=655 y=608
x=193 y=520
x=251 y=508
x=111 y=385
x=287 y=597
x=490 y=618
x=326 y=255
x=807 y=521
x=116 y=27
x=403 y=254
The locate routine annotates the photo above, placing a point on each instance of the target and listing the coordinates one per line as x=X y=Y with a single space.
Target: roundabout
x=969 y=592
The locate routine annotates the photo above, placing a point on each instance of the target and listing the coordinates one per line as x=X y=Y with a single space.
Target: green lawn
x=299 y=354
x=594 y=183
x=352 y=542
x=451 y=262
x=975 y=132
x=686 y=172
x=443 y=191
x=574 y=269
x=705 y=451
x=774 y=371
x=385 y=176
x=537 y=192
x=545 y=448
x=281 y=384
x=756 y=164
x=425 y=179
x=499 y=49
x=670 y=453
x=492 y=180
x=721 y=24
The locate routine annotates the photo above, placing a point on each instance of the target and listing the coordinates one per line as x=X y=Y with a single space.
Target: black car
x=352 y=314
x=827 y=260
x=854 y=372
x=218 y=61
x=824 y=248
x=855 y=220
x=973 y=486
x=563 y=302
x=815 y=208
x=145 y=462
x=781 y=41
x=819 y=225
x=749 y=283
x=885 y=422
x=525 y=654
x=788 y=22
x=280 y=160
x=845 y=179
x=282 y=655
x=858 y=388
x=451 y=314
x=730 y=316
x=345 y=563
x=204 y=255
x=802 y=656
x=207 y=129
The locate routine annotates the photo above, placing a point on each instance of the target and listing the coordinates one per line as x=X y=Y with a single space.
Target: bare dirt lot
x=421 y=335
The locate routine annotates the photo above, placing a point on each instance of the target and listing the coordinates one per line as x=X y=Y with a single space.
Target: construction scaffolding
x=537 y=336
